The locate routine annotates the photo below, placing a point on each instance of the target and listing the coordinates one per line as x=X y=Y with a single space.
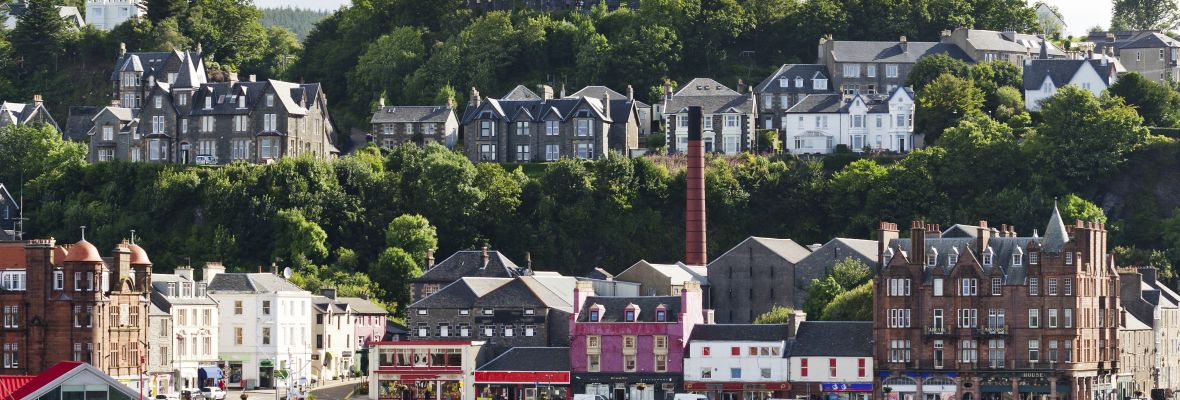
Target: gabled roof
x=152 y=63
x=565 y=108
x=363 y=306
x=705 y=87
x=234 y=282
x=597 y=90
x=530 y=359
x=614 y=308
x=787 y=249
x=839 y=249
x=818 y=104
x=1002 y=249
x=1060 y=71
x=833 y=339
x=61 y=372
x=807 y=72
x=740 y=332
x=123 y=114
x=892 y=52
x=1010 y=42
x=469 y=263
x=462 y=293
x=22 y=113
x=839 y=103
x=1151 y=40
x=395 y=114
x=79 y=122
x=520 y=92
x=676 y=274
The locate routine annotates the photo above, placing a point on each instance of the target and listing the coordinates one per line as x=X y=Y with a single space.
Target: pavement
x=333 y=390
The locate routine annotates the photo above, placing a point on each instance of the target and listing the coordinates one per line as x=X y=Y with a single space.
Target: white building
x=265 y=329
x=820 y=122
x=834 y=358
x=728 y=116
x=107 y=14
x=191 y=347
x=738 y=361
x=1043 y=77
x=332 y=331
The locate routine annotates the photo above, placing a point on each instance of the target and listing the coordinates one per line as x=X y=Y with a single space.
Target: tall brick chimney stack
x=694 y=218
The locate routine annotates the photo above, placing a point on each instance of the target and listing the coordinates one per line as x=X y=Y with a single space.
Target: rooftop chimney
x=982 y=237
x=37 y=100
x=253 y=78
x=381 y=103
x=233 y=77
x=474 y=97
x=528 y=260
x=484 y=257
x=328 y=292
x=741 y=86
x=667 y=91
x=199 y=49
x=695 y=248
x=122 y=49
x=905 y=44
x=184 y=271
x=212 y=269
x=630 y=94
x=606 y=104
x=563 y=90
x=429 y=258
x=545 y=91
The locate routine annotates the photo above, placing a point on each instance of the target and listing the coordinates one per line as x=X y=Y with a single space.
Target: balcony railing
x=992 y=330
x=939 y=330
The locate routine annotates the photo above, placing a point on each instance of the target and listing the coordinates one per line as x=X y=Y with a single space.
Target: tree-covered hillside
x=297 y=20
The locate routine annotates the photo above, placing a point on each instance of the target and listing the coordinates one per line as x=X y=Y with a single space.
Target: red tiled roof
x=12 y=255
x=9 y=384
x=46 y=377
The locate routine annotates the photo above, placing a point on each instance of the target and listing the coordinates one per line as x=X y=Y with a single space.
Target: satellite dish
x=287 y=273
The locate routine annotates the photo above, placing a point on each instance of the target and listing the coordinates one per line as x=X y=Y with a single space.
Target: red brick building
x=979 y=313
x=68 y=303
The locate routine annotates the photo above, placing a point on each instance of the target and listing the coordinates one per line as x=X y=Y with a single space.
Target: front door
x=620 y=394
x=265 y=377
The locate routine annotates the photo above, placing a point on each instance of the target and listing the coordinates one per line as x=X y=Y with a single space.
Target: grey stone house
x=526 y=311
x=747 y=280
x=877 y=67
x=728 y=120
x=622 y=129
x=1150 y=53
x=463 y=264
x=394 y=125
x=785 y=88
x=1014 y=47
x=523 y=126
x=9 y=215
x=165 y=111
x=33 y=113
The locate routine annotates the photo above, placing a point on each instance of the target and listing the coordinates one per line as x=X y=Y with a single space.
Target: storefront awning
x=523 y=377
x=210 y=373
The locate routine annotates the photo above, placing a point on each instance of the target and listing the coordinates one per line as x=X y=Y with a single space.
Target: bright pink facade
x=611 y=333
x=368 y=328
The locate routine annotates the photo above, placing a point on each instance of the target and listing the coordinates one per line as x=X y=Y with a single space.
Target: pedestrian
x=244 y=396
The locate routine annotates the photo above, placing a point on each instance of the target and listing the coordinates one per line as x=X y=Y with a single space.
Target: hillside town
x=257 y=295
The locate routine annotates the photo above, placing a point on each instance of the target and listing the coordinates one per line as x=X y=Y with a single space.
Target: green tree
x=393 y=271
x=387 y=61
x=850 y=272
x=819 y=294
x=1144 y=15
x=413 y=234
x=36 y=154
x=776 y=315
x=979 y=140
x=929 y=69
x=299 y=238
x=1083 y=138
x=227 y=29
x=1076 y=208
x=943 y=102
x=1006 y=102
x=1158 y=104
x=281 y=50
x=159 y=10
x=853 y=305
x=40 y=36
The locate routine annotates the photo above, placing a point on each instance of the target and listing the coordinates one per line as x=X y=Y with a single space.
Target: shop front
x=425 y=370
x=419 y=387
x=922 y=386
x=516 y=385
x=210 y=376
x=233 y=374
x=627 y=386
x=739 y=390
x=1024 y=386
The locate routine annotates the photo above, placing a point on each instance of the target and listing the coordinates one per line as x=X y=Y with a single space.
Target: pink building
x=631 y=348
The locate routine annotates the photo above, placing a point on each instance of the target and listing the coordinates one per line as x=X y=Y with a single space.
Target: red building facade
x=979 y=313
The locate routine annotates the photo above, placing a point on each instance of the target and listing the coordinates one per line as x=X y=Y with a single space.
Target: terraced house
x=524 y=126
x=394 y=125
x=983 y=313
x=729 y=115
x=165 y=110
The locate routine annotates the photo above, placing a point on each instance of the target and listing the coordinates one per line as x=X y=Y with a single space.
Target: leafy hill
x=297 y=20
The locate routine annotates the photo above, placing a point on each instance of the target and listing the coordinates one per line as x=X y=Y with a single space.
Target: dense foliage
x=299 y=21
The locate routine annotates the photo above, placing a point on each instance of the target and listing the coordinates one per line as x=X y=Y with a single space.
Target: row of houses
x=971 y=311
x=159 y=333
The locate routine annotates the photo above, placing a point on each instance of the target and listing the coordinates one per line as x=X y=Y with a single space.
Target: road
x=338 y=392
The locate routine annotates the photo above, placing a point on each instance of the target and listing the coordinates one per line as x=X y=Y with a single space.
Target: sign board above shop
x=847 y=387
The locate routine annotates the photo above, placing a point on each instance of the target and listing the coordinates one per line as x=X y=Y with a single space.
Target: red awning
x=737 y=386
x=523 y=377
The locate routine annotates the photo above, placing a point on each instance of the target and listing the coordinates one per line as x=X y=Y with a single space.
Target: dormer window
x=952 y=259
x=661 y=314
x=1017 y=257
x=987 y=256
x=595 y=315
x=820 y=84
x=630 y=317
x=798 y=82
x=932 y=258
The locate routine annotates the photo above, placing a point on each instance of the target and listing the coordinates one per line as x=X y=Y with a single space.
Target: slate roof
x=677 y=273
x=786 y=248
x=1060 y=71
x=1002 y=248
x=160 y=288
x=535 y=109
x=224 y=94
x=791 y=71
x=711 y=96
x=833 y=339
x=520 y=92
x=891 y=52
x=412 y=114
x=596 y=91
x=839 y=249
x=1010 y=42
x=363 y=306
x=152 y=63
x=234 y=282
x=615 y=307
x=741 y=332
x=530 y=359
x=22 y=113
x=79 y=122
x=838 y=103
x=469 y=263
x=462 y=293
x=1151 y=40
x=1055 y=234
x=1131 y=323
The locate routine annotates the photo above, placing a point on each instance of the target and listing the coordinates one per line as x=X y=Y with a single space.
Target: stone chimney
x=630 y=94
x=115 y=103
x=1149 y=274
x=528 y=260
x=450 y=102
x=606 y=104
x=794 y=321
x=381 y=103
x=563 y=90
x=945 y=34
x=37 y=100
x=583 y=290
x=200 y=50
x=484 y=257
x=429 y=258
x=545 y=91
x=904 y=43
x=888 y=232
x=741 y=86
x=474 y=101
x=212 y=269
x=233 y=77
x=983 y=236
x=184 y=271
x=328 y=292
x=694 y=218
x=253 y=78
x=667 y=91
x=121 y=265
x=122 y=49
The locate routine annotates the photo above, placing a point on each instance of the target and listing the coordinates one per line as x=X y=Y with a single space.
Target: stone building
x=1137 y=358
x=747 y=280
x=394 y=125
x=192 y=322
x=1154 y=304
x=1014 y=47
x=877 y=67
x=68 y=302
x=786 y=87
x=481 y=263
x=978 y=316
x=1152 y=54
x=620 y=103
x=34 y=114
x=165 y=110
x=728 y=121
x=524 y=126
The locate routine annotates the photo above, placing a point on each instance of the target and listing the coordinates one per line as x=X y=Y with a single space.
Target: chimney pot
x=37 y=99
x=253 y=78
x=484 y=255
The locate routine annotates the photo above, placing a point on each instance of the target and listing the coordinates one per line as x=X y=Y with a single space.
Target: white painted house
x=107 y=14
x=728 y=116
x=265 y=329
x=833 y=358
x=332 y=332
x=191 y=347
x=820 y=122
x=739 y=361
x=1043 y=77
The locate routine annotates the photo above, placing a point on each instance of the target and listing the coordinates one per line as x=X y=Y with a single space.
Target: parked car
x=213 y=393
x=191 y=394
x=169 y=396
x=689 y=396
